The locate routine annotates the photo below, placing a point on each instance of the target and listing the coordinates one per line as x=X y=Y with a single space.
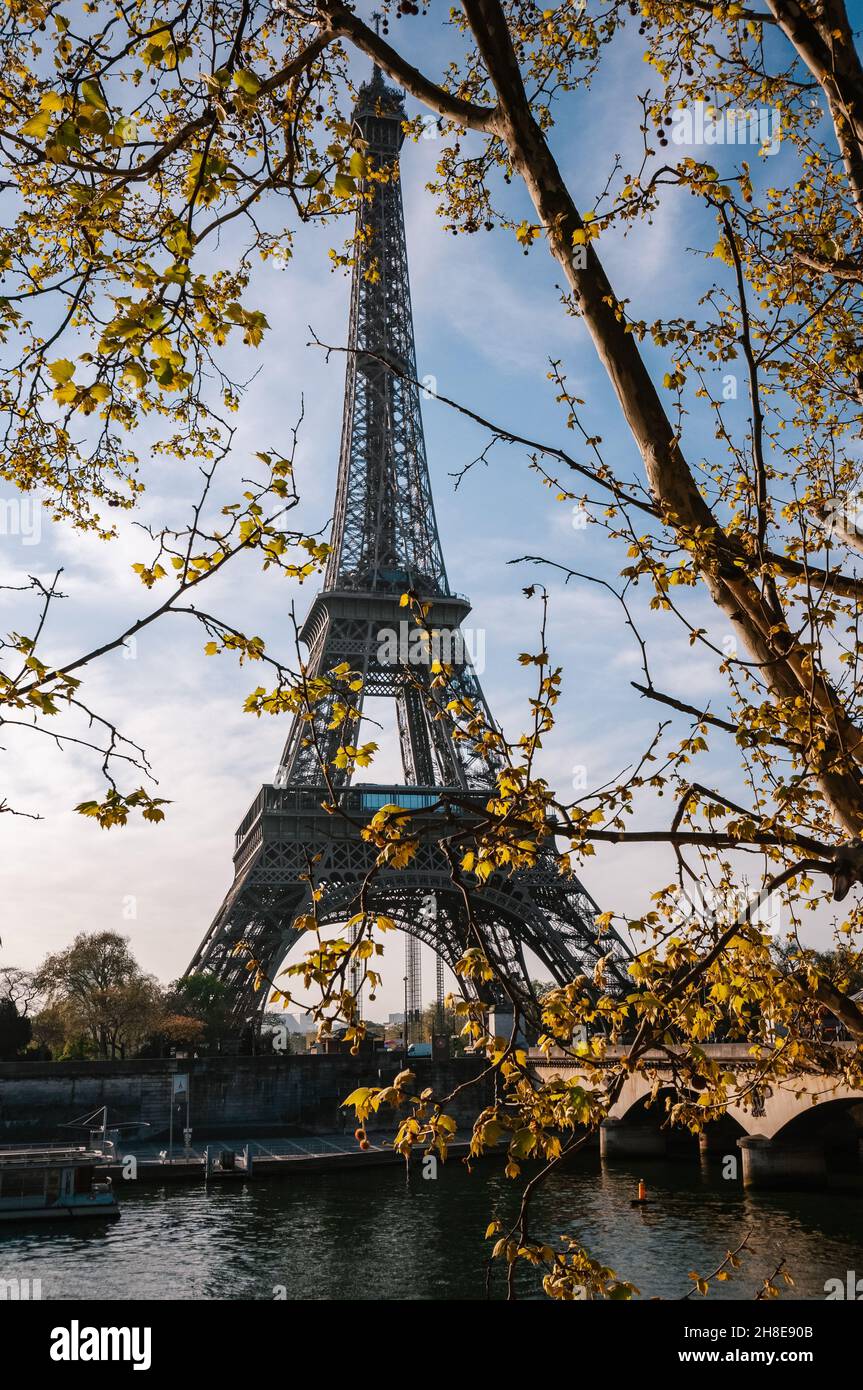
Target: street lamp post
x=405 y=1023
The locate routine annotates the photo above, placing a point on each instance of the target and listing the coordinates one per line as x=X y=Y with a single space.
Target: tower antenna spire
x=376 y=20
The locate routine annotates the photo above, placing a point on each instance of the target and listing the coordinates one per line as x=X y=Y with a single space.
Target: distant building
x=396 y=1018
x=275 y=1019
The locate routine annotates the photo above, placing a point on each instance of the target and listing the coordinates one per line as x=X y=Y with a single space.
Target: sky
x=488 y=319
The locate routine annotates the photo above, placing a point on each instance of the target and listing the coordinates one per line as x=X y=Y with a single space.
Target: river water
x=379 y=1234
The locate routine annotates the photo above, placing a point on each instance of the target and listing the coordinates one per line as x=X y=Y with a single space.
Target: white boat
x=56 y=1182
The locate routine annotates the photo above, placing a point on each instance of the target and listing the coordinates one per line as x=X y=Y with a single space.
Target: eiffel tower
x=385 y=543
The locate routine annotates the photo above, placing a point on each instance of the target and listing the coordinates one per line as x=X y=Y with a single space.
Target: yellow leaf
x=37 y=126
x=92 y=94
x=359 y=1097
x=247 y=82
x=62 y=370
x=135 y=373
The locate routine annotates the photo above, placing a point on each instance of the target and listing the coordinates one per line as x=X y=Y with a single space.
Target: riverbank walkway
x=218 y=1160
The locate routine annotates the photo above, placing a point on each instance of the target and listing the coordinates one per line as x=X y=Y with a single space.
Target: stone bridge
x=790 y=1133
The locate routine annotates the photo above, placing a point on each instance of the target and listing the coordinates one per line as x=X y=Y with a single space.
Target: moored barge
x=55 y=1182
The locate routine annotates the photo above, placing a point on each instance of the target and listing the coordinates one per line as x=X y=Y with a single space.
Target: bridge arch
x=792 y=1131
x=834 y=1125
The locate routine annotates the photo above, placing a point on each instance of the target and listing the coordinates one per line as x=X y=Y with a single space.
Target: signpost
x=180 y=1092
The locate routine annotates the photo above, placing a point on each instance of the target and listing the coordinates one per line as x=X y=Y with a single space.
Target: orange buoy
x=641 y=1199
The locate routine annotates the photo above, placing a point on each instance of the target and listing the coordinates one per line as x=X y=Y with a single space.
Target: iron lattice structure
x=385 y=542
x=413 y=989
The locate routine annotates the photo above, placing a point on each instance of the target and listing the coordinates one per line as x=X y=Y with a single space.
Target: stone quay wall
x=228 y=1095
